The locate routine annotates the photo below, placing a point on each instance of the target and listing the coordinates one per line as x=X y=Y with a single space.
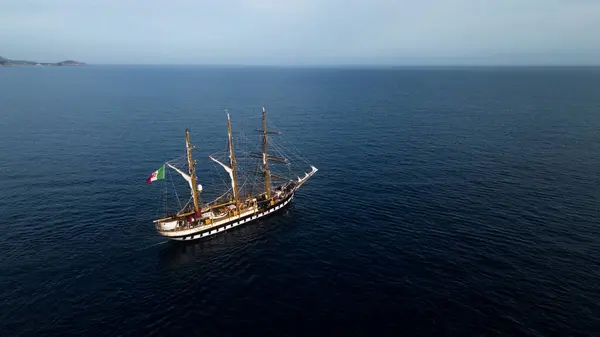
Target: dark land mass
x=8 y=63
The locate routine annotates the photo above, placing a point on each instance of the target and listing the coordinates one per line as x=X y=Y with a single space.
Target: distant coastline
x=4 y=62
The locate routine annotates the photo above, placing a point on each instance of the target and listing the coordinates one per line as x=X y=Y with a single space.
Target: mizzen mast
x=192 y=170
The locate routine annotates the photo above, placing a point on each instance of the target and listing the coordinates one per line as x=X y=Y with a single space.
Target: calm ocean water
x=449 y=202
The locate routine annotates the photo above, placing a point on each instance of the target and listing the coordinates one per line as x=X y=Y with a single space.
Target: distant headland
x=4 y=62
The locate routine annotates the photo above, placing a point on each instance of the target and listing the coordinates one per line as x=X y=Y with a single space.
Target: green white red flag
x=157 y=175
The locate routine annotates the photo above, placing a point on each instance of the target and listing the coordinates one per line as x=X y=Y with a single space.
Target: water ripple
x=447 y=202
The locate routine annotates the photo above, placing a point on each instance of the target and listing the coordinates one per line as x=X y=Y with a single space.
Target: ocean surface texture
x=448 y=202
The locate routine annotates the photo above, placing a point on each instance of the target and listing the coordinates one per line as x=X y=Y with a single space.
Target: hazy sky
x=304 y=32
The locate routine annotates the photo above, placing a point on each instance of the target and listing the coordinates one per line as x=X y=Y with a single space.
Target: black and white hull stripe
x=203 y=232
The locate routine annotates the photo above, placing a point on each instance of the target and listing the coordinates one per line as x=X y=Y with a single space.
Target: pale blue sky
x=303 y=32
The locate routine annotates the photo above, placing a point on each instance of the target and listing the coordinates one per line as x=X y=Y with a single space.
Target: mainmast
x=192 y=170
x=232 y=161
x=265 y=155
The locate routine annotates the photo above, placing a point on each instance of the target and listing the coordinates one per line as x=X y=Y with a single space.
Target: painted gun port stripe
x=230 y=225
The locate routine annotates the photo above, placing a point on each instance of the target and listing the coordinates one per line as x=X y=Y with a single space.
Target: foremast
x=192 y=171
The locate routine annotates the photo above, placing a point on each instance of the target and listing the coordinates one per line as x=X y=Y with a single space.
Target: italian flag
x=157 y=175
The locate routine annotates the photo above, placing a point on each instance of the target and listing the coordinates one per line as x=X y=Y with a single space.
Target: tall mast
x=265 y=155
x=192 y=170
x=232 y=161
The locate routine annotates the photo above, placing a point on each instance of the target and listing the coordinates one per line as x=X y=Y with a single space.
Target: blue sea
x=448 y=202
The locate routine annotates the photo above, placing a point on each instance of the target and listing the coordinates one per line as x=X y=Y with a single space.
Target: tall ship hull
x=232 y=209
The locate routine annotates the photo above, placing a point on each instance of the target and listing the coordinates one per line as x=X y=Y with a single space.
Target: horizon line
x=360 y=65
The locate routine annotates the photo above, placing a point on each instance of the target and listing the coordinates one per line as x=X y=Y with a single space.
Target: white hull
x=206 y=231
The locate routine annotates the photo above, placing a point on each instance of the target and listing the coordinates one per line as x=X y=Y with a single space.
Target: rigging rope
x=249 y=168
x=174 y=189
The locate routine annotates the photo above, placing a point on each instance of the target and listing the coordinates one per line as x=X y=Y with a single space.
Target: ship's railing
x=184 y=224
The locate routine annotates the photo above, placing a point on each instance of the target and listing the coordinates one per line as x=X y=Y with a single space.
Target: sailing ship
x=196 y=219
